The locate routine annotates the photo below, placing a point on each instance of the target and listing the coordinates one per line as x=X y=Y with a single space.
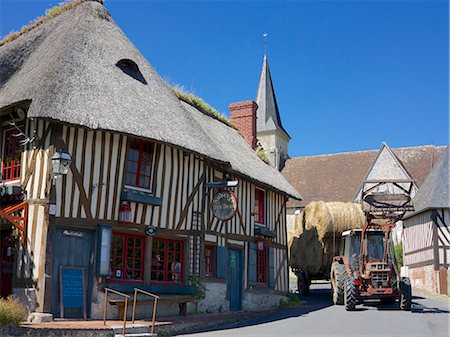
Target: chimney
x=243 y=115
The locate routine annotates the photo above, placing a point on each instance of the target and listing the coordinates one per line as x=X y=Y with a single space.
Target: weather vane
x=265 y=42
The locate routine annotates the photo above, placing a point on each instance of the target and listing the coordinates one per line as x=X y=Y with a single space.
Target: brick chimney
x=243 y=115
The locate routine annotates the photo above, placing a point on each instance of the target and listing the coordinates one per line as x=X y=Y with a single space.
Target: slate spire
x=268 y=116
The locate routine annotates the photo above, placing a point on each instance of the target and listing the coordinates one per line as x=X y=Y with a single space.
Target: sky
x=348 y=75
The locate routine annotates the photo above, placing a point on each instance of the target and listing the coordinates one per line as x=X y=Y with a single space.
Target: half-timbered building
x=135 y=209
x=426 y=234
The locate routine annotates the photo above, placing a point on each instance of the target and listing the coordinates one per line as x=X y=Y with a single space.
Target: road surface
x=317 y=317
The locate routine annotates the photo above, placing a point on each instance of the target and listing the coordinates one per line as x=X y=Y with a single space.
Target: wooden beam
x=189 y=201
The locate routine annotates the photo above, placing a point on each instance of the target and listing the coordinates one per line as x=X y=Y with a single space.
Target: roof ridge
x=49 y=14
x=373 y=150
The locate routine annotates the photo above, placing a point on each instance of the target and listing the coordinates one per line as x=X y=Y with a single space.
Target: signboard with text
x=72 y=289
x=224 y=205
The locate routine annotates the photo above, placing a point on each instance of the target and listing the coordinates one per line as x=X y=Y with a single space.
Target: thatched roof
x=72 y=69
x=337 y=177
x=435 y=190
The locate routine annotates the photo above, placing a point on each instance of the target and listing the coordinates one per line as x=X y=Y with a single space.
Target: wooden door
x=235 y=279
x=6 y=262
x=72 y=248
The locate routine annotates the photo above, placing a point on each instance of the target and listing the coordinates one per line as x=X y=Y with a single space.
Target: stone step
x=142 y=334
x=130 y=329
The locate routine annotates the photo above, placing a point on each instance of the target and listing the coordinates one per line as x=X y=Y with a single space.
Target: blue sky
x=347 y=74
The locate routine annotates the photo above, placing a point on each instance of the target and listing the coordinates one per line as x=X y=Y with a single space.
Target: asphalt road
x=317 y=317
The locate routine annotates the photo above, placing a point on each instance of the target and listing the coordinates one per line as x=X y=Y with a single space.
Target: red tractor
x=366 y=267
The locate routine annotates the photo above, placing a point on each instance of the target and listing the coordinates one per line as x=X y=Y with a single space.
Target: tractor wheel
x=350 y=294
x=405 y=294
x=302 y=283
x=338 y=277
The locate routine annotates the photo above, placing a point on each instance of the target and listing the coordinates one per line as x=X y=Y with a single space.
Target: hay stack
x=329 y=216
x=311 y=244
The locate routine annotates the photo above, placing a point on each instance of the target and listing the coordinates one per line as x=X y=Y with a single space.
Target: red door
x=6 y=263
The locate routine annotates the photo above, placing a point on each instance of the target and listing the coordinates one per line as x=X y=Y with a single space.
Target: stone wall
x=425 y=278
x=28 y=297
x=256 y=299
x=215 y=297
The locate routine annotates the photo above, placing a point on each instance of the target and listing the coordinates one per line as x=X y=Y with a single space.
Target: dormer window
x=130 y=68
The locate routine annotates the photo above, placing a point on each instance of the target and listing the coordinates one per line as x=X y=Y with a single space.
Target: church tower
x=272 y=137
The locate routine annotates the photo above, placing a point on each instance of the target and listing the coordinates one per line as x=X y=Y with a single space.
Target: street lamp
x=60 y=163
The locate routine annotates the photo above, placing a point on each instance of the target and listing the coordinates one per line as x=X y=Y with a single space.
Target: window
x=209 y=261
x=261 y=266
x=259 y=206
x=139 y=164
x=127 y=257
x=167 y=260
x=12 y=153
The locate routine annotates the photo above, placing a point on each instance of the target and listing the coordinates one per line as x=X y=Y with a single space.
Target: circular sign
x=224 y=205
x=150 y=230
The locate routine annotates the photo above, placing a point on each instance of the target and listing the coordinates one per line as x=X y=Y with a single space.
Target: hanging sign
x=224 y=205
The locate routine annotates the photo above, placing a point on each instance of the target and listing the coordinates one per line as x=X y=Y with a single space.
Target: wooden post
x=154 y=315
x=104 y=306
x=134 y=305
x=125 y=316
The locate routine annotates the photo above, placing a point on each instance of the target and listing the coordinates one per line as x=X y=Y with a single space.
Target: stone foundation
x=215 y=298
x=428 y=279
x=28 y=297
x=259 y=299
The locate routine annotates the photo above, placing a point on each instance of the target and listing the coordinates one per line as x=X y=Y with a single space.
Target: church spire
x=268 y=116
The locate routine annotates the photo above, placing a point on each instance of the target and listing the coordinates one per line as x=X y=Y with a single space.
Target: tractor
x=366 y=267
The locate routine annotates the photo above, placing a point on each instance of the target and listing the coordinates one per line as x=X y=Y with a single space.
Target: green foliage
x=49 y=13
x=398 y=249
x=200 y=104
x=11 y=311
x=200 y=290
x=292 y=301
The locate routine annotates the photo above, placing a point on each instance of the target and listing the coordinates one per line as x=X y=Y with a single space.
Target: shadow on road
x=317 y=299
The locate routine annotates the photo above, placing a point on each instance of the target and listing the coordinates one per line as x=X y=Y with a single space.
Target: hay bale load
x=312 y=246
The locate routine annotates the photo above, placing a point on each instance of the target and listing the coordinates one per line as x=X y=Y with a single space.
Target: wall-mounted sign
x=73 y=233
x=259 y=244
x=150 y=230
x=224 y=205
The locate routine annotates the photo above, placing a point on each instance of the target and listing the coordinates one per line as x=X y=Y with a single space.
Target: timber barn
x=107 y=174
x=426 y=234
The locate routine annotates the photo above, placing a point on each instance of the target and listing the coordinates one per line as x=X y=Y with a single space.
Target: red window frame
x=259 y=206
x=11 y=156
x=127 y=257
x=139 y=165
x=209 y=261
x=261 y=267
x=167 y=261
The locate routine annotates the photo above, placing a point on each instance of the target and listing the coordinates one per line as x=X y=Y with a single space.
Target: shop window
x=139 y=164
x=127 y=257
x=167 y=261
x=209 y=261
x=259 y=206
x=12 y=153
x=261 y=266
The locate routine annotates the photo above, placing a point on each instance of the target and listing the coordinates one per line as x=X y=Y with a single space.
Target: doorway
x=72 y=248
x=7 y=252
x=235 y=279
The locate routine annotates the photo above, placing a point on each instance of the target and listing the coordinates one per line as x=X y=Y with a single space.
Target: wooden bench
x=182 y=301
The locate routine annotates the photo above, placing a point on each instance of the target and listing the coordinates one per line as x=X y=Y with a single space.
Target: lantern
x=125 y=214
x=104 y=249
x=60 y=163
